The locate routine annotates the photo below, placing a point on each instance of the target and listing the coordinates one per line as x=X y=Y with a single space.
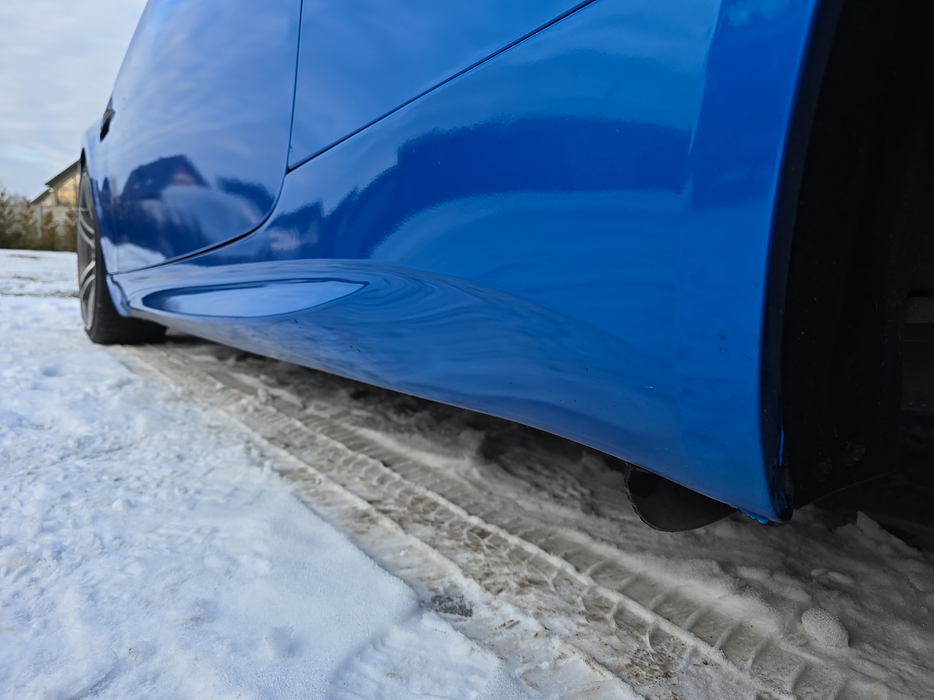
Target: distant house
x=61 y=194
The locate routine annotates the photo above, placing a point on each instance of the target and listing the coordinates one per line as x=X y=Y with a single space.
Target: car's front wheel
x=101 y=321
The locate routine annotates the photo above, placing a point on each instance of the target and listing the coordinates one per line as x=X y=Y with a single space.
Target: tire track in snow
x=546 y=663
x=613 y=620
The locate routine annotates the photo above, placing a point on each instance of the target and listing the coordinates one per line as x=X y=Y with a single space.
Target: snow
x=38 y=273
x=824 y=627
x=146 y=552
x=152 y=544
x=737 y=586
x=411 y=651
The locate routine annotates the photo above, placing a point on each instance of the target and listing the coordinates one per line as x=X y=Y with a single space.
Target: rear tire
x=102 y=323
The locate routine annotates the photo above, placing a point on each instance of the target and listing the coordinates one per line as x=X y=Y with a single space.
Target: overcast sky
x=58 y=62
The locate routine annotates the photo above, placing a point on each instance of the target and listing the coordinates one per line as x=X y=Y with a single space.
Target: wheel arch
x=847 y=234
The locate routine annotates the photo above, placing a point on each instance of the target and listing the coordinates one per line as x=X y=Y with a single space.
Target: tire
x=102 y=323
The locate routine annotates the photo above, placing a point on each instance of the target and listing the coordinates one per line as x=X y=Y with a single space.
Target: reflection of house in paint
x=149 y=181
x=61 y=194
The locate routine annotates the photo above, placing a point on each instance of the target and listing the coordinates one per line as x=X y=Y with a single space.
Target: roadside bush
x=21 y=227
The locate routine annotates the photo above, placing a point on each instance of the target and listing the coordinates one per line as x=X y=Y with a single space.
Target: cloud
x=58 y=62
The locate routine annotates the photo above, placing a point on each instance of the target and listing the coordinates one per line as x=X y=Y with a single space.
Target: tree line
x=22 y=227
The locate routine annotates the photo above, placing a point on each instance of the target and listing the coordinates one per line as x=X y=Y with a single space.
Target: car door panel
x=197 y=146
x=574 y=234
x=360 y=59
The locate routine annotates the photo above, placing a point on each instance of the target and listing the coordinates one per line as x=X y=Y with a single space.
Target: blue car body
x=556 y=212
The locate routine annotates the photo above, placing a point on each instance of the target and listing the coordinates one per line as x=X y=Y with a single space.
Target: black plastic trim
x=863 y=200
x=823 y=32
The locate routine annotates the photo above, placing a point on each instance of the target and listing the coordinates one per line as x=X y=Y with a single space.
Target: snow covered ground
x=146 y=551
x=156 y=541
x=37 y=273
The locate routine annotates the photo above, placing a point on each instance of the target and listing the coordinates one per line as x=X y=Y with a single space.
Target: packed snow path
x=524 y=544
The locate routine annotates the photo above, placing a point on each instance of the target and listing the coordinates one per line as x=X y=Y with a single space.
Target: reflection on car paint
x=574 y=234
x=368 y=57
x=198 y=144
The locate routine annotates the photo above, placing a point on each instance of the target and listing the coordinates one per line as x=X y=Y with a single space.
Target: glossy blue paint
x=365 y=59
x=198 y=145
x=574 y=234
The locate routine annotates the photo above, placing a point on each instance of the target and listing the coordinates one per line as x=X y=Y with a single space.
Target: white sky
x=58 y=62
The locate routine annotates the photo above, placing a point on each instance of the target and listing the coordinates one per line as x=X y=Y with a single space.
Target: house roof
x=62 y=176
x=56 y=181
x=41 y=198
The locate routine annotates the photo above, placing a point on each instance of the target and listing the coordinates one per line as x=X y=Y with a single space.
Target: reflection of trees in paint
x=257 y=195
x=150 y=180
x=168 y=207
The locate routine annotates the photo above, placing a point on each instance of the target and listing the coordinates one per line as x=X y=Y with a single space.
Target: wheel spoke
x=87 y=311
x=85 y=229
x=87 y=293
x=87 y=283
x=88 y=270
x=86 y=245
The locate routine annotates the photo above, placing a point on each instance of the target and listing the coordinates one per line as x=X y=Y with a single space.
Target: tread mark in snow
x=596 y=610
